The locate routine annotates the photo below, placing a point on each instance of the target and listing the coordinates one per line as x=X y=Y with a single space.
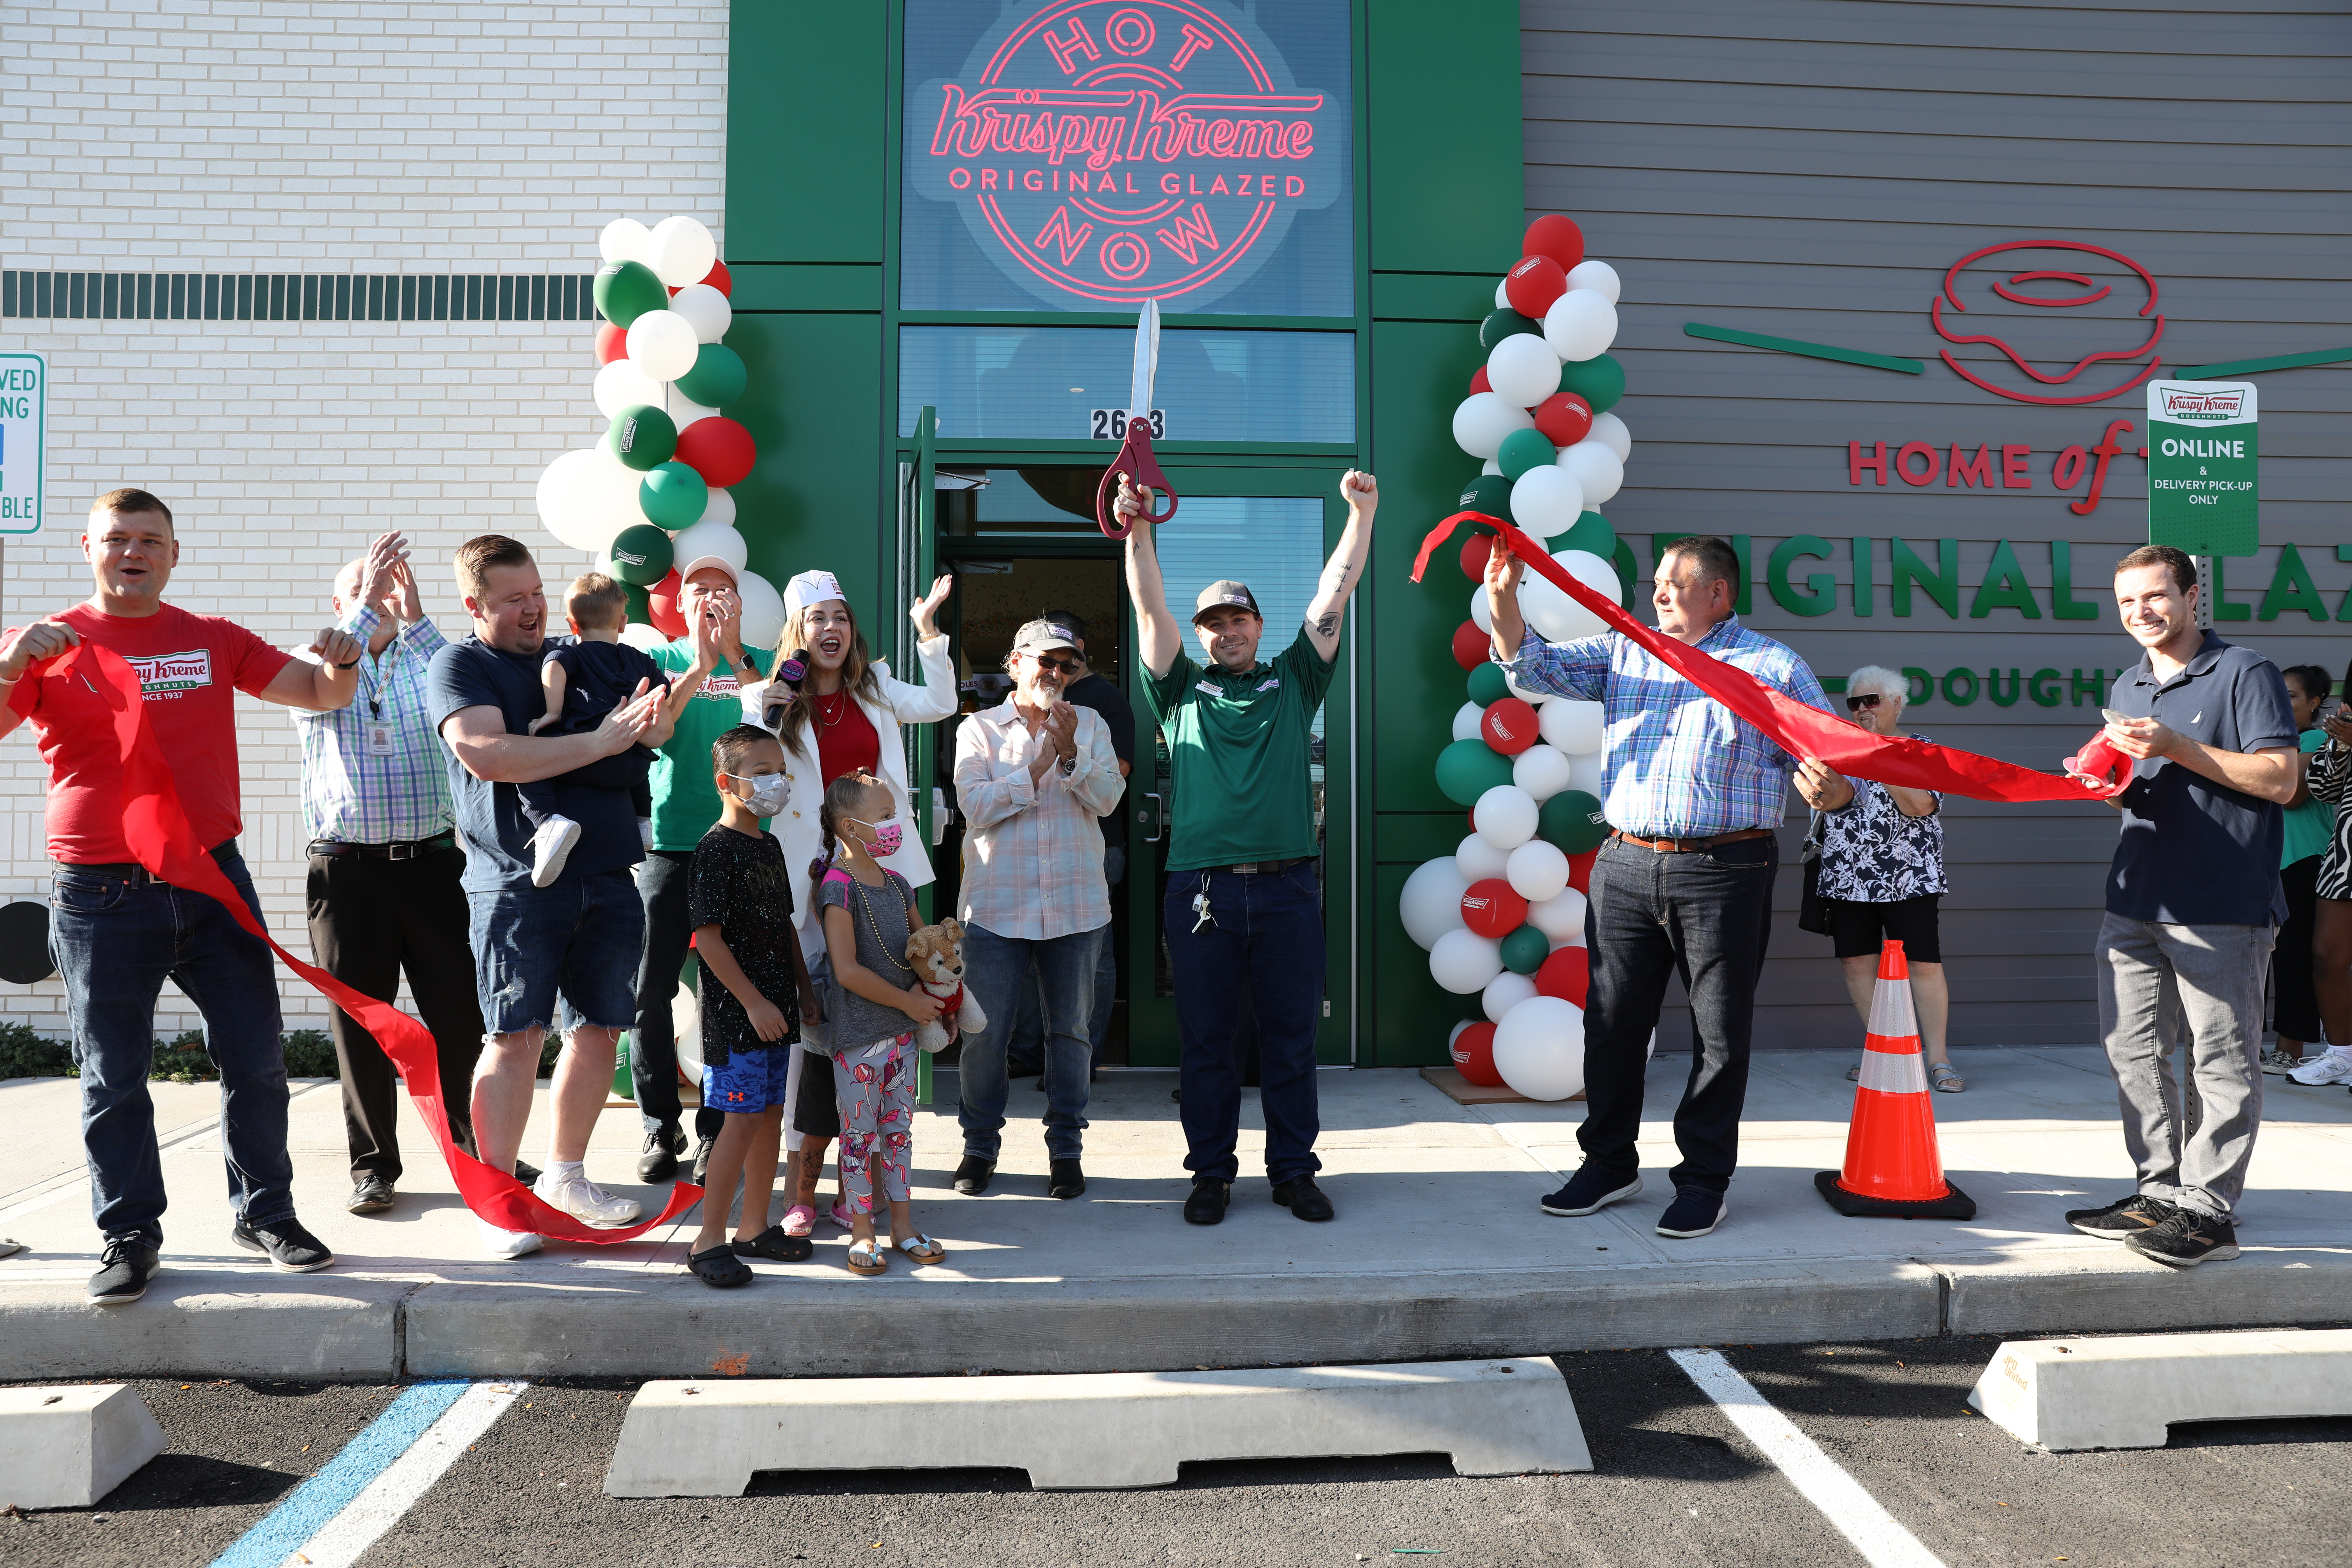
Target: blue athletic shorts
x=752 y=1080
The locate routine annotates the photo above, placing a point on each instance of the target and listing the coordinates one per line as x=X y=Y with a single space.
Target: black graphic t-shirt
x=738 y=883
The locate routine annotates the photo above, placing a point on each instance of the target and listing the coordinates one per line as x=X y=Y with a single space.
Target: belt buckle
x=1249 y=869
x=400 y=851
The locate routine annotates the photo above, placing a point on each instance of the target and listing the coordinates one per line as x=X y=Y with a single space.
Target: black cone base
x=1954 y=1205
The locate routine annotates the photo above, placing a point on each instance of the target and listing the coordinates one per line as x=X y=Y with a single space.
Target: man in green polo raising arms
x=1245 y=904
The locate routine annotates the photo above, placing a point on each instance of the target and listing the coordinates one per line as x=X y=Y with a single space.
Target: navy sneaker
x=1590 y=1191
x=1695 y=1211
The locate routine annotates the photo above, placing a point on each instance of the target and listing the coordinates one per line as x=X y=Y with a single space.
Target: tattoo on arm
x=1328 y=624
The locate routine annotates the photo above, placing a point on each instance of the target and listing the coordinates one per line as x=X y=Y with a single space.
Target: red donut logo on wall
x=2129 y=317
x=1109 y=151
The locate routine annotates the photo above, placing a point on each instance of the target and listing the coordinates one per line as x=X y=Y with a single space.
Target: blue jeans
x=115 y=943
x=996 y=968
x=580 y=940
x=1267 y=937
x=1026 y=1044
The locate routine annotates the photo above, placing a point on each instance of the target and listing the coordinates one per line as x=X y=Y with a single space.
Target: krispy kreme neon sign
x=1108 y=152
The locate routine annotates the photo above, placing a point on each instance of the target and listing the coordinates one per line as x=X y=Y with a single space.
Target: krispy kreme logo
x=169 y=673
x=1108 y=152
x=2206 y=405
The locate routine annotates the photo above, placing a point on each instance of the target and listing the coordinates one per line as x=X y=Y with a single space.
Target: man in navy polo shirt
x=2193 y=903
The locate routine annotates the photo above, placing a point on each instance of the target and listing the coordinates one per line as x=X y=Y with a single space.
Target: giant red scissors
x=1135 y=462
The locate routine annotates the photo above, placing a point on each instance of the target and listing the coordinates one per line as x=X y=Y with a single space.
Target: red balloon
x=1471 y=646
x=661 y=607
x=1509 y=726
x=1556 y=237
x=1474 y=1056
x=1494 y=908
x=611 y=343
x=1580 y=871
x=1533 y=283
x=1564 y=418
x=1567 y=974
x=718 y=277
x=1475 y=552
x=717 y=449
x=1478 y=383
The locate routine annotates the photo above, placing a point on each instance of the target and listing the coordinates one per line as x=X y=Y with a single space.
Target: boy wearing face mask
x=754 y=991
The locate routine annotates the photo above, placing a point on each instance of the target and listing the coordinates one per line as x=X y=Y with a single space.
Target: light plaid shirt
x=1675 y=762
x=352 y=797
x=1033 y=854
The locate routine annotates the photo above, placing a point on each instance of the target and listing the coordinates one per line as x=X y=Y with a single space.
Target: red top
x=846 y=739
x=187 y=665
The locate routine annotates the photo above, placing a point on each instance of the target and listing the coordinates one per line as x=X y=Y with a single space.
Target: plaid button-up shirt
x=352 y=797
x=1033 y=854
x=1675 y=762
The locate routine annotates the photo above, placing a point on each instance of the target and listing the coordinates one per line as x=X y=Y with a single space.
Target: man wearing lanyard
x=383 y=890
x=1685 y=882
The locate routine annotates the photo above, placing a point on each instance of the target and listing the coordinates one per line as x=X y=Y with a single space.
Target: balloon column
x=1503 y=916
x=654 y=493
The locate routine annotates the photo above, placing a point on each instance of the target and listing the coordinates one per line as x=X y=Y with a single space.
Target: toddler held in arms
x=585 y=680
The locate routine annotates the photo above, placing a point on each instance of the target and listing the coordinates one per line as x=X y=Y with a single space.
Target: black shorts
x=815 y=1112
x=1857 y=929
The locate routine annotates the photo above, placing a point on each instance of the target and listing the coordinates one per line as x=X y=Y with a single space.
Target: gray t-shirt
x=852 y=1023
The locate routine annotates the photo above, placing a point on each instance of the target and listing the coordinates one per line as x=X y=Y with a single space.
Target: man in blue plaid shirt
x=1684 y=881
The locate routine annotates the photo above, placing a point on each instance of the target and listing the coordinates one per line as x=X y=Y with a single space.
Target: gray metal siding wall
x=1808 y=169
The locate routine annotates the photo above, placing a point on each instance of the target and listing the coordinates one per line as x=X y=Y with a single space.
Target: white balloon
x=1545 y=501
x=1538 y=871
x=683 y=414
x=1560 y=917
x=1597 y=276
x=1481 y=615
x=1502 y=294
x=1523 y=370
x=680 y=251
x=1612 y=433
x=1506 y=817
x=1575 y=728
x=1466 y=721
x=662 y=344
x=1552 y=612
x=718 y=539
x=764 y=609
x=1585 y=773
x=621 y=384
x=719 y=508
x=1483 y=420
x=1462 y=962
x=1430 y=904
x=1541 y=771
x=1491 y=465
x=1598 y=471
x=1477 y=860
x=1505 y=991
x=624 y=239
x=643 y=637
x=1580 y=324
x=1539 y=1049
x=585 y=497
x=705 y=309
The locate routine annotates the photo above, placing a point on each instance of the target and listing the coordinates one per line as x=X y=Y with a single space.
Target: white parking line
x=1874 y=1532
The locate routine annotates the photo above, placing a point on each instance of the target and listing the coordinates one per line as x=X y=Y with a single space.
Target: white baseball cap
x=701 y=562
x=808 y=588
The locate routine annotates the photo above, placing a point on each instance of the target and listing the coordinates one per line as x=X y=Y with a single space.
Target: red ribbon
x=1802 y=731
x=157 y=830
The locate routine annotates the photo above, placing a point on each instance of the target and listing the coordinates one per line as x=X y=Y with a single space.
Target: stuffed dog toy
x=935 y=952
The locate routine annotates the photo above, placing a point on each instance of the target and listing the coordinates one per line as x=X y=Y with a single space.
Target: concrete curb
x=2106 y=1289
x=218 y=1325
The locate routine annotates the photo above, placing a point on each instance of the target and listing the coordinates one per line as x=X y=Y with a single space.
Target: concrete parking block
x=208 y=1324
x=69 y=1446
x=2124 y=1392
x=1128 y=1429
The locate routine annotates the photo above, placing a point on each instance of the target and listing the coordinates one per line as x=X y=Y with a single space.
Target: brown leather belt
x=1689 y=845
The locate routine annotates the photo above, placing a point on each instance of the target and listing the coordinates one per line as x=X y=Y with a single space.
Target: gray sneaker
x=2278 y=1064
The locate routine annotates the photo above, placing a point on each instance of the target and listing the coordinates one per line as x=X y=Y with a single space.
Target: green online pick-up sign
x=2202 y=455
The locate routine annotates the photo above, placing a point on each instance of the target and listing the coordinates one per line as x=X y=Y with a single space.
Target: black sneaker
x=2121 y=1220
x=2186 y=1239
x=664 y=1144
x=1590 y=1191
x=1067 y=1179
x=291 y=1249
x=371 y=1195
x=1303 y=1198
x=702 y=1147
x=1695 y=1211
x=972 y=1177
x=125 y=1269
x=1207 y=1204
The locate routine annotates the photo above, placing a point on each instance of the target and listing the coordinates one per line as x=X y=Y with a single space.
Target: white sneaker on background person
x=551 y=847
x=583 y=1199
x=2334 y=1065
x=510 y=1244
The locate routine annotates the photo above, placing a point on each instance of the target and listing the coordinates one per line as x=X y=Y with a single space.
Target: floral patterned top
x=1872 y=854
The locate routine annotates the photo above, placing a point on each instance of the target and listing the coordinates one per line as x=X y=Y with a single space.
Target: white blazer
x=797 y=827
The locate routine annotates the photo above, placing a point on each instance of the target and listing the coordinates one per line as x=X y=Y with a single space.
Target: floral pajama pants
x=876 y=1088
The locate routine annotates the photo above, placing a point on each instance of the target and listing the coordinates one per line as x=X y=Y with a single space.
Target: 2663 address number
x=1110 y=425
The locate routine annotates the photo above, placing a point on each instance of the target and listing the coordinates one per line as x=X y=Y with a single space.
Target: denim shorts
x=577 y=942
x=752 y=1080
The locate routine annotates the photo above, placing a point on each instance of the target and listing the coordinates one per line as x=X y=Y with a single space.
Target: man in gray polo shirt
x=2193 y=903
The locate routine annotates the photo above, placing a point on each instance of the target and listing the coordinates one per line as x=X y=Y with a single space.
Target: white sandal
x=866 y=1257
x=921 y=1248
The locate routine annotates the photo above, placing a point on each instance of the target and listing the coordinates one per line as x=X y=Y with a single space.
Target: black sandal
x=777 y=1246
x=719 y=1268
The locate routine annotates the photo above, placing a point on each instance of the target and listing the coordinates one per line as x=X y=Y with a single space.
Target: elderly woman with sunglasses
x=1882 y=869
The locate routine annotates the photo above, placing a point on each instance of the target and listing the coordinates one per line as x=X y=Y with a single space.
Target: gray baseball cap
x=1225 y=591
x=1038 y=637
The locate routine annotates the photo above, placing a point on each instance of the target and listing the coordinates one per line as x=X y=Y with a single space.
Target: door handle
x=1158 y=817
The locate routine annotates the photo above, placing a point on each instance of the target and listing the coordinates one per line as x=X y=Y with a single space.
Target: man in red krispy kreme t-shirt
x=117 y=933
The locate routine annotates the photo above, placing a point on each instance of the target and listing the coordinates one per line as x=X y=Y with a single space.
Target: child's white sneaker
x=510 y=1244
x=551 y=847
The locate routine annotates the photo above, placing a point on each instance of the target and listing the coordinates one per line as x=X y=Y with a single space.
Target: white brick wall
x=295 y=137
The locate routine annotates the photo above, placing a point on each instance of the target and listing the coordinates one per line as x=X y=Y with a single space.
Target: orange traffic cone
x=1892 y=1168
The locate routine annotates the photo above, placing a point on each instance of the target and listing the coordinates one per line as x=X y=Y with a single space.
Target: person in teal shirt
x=2310 y=825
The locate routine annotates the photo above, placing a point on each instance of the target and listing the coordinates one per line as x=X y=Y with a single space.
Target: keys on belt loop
x=1201 y=907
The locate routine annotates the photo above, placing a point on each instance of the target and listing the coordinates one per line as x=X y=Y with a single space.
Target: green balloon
x=716 y=379
x=640 y=612
x=627 y=289
x=643 y=436
x=1524 y=949
x=1591 y=531
x=672 y=495
x=1502 y=324
x=641 y=553
x=1522 y=450
x=1489 y=494
x=1599 y=381
x=1487 y=686
x=1469 y=769
x=1571 y=820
